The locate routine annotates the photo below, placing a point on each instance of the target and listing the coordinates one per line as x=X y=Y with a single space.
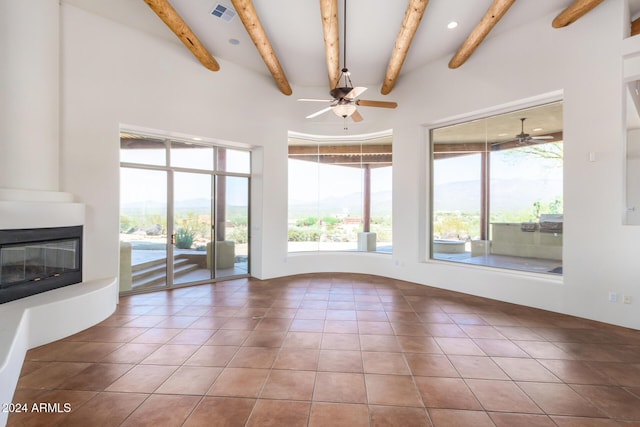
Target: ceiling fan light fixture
x=345 y=100
x=344 y=110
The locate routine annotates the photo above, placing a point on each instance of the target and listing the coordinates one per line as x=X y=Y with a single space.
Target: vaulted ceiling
x=374 y=30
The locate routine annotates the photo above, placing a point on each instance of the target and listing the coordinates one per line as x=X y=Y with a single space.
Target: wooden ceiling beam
x=174 y=21
x=441 y=156
x=331 y=30
x=249 y=17
x=494 y=14
x=410 y=24
x=635 y=27
x=459 y=148
x=574 y=12
x=372 y=161
x=444 y=153
x=314 y=150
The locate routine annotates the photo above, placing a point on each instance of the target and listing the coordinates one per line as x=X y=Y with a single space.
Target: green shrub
x=126 y=223
x=184 y=238
x=239 y=234
x=307 y=221
x=331 y=220
x=298 y=235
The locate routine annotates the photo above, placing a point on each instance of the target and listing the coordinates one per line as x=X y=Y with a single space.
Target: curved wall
x=30 y=95
x=115 y=75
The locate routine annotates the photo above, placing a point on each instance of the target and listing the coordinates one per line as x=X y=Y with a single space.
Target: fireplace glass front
x=38 y=260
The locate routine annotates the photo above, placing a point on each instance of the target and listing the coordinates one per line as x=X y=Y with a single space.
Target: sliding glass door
x=144 y=246
x=184 y=215
x=192 y=227
x=232 y=226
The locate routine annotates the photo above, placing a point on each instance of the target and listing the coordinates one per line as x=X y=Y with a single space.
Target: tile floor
x=333 y=350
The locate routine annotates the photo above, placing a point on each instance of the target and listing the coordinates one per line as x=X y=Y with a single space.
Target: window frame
x=430 y=214
x=307 y=143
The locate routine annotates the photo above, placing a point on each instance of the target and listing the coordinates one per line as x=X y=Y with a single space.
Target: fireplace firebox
x=38 y=260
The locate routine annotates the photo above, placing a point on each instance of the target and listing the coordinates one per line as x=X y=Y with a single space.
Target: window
x=340 y=195
x=497 y=193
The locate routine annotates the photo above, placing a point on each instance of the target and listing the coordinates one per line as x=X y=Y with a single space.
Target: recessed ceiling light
x=503 y=134
x=195 y=138
x=234 y=42
x=451 y=25
x=537 y=129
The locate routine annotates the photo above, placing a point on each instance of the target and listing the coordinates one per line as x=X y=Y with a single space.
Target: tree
x=549 y=150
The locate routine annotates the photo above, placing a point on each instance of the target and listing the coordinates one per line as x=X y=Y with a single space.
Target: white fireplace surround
x=42 y=318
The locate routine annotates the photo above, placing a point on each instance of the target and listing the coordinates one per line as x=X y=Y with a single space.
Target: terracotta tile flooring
x=333 y=350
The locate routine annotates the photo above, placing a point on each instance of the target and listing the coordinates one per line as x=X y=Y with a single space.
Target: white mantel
x=38 y=209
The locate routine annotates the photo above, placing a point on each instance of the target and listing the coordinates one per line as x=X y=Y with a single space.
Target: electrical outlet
x=613 y=297
x=626 y=299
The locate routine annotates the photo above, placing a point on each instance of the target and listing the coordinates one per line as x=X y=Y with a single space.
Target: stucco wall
x=114 y=75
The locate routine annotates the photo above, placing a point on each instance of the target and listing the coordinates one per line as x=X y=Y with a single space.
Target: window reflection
x=340 y=195
x=497 y=191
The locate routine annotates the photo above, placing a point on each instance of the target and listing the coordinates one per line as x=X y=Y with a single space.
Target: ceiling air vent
x=223 y=12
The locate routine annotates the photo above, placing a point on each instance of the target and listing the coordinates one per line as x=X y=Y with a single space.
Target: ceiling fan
x=345 y=98
x=524 y=138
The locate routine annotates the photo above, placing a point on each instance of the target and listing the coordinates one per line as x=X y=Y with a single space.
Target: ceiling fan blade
x=356 y=116
x=355 y=92
x=317 y=113
x=314 y=100
x=382 y=104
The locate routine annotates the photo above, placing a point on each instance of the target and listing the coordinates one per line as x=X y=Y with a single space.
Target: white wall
x=583 y=62
x=112 y=74
x=29 y=95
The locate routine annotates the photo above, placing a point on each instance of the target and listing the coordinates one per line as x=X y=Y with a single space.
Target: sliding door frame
x=214 y=174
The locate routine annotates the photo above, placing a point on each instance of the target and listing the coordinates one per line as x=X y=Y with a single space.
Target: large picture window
x=340 y=194
x=496 y=195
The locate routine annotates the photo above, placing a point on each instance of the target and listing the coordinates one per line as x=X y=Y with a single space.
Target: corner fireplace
x=38 y=260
